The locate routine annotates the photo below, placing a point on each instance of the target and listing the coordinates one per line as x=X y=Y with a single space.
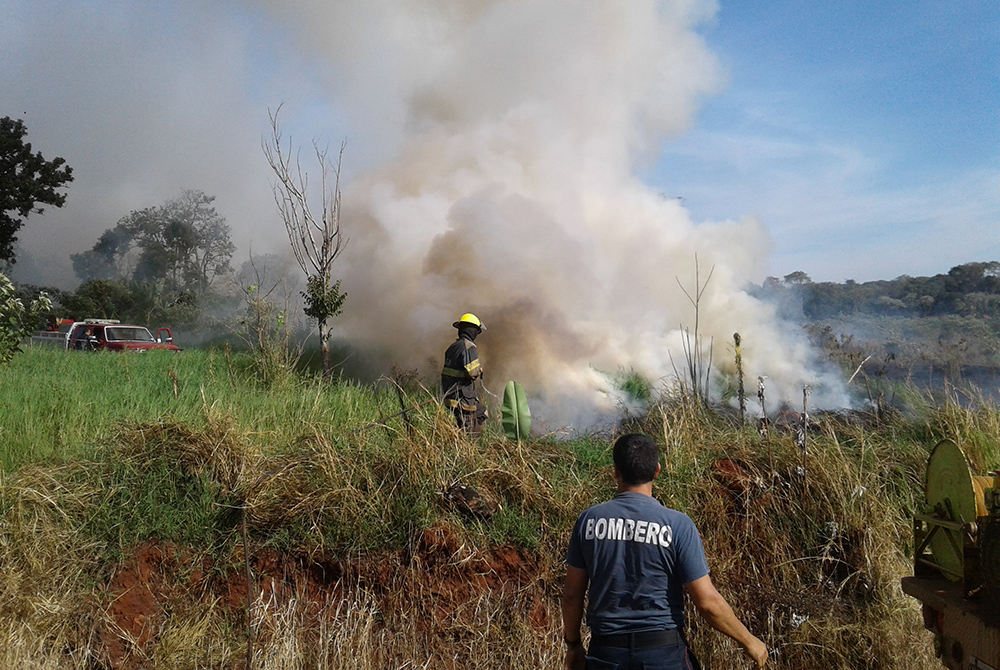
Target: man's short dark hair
x=636 y=457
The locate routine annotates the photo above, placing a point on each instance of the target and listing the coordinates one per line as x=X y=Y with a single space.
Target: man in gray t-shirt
x=638 y=558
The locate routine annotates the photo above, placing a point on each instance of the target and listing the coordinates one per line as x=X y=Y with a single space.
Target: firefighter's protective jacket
x=458 y=377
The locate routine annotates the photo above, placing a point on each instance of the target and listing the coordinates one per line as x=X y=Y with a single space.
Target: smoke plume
x=510 y=132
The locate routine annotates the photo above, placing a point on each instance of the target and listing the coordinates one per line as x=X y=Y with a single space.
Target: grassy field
x=127 y=480
x=58 y=405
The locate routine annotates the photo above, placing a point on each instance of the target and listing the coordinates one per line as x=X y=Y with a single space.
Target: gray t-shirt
x=638 y=554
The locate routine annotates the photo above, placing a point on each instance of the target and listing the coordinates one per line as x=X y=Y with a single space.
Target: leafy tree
x=973 y=278
x=323 y=300
x=27 y=180
x=797 y=278
x=143 y=303
x=109 y=257
x=823 y=299
x=772 y=283
x=184 y=243
x=98 y=299
x=890 y=305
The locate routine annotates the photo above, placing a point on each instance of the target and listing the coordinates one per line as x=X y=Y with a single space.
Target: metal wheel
x=952 y=495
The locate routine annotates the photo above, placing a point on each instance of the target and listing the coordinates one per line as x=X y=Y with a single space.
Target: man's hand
x=757 y=652
x=576 y=656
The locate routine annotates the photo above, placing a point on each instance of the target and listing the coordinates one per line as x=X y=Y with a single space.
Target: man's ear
x=615 y=474
x=657 y=470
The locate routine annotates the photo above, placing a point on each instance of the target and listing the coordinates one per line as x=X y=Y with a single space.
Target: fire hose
x=483 y=384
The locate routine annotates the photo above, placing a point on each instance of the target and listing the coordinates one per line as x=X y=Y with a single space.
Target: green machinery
x=956 y=567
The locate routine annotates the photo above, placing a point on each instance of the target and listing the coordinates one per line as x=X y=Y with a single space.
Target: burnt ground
x=436 y=577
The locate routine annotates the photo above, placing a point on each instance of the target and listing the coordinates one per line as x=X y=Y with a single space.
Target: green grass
x=157 y=429
x=160 y=501
x=59 y=405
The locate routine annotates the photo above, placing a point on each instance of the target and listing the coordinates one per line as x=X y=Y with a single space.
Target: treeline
x=971 y=289
x=156 y=265
x=145 y=303
x=171 y=265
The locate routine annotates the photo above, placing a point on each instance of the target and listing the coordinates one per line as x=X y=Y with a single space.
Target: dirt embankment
x=431 y=582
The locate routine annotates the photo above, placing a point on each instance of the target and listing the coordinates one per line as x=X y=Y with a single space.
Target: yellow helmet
x=469 y=319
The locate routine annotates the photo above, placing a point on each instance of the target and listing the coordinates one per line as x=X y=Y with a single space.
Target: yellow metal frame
x=925 y=527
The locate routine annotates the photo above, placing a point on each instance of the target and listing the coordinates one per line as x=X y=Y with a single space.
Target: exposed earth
x=437 y=577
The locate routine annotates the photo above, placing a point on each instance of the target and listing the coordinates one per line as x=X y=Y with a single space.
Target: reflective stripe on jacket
x=458 y=376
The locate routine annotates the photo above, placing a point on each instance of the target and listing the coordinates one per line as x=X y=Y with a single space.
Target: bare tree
x=698 y=368
x=316 y=242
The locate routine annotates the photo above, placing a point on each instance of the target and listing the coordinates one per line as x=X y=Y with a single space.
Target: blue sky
x=865 y=135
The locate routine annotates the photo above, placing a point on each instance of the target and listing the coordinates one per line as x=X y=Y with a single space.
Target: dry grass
x=47 y=567
x=810 y=562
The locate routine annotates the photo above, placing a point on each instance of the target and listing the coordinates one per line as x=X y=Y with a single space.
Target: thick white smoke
x=510 y=131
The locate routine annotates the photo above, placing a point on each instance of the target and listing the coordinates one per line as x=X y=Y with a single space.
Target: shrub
x=16 y=320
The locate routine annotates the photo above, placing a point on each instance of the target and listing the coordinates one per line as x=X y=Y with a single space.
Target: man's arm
x=473 y=368
x=572 y=613
x=717 y=612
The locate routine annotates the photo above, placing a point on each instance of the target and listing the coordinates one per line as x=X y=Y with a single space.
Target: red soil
x=436 y=576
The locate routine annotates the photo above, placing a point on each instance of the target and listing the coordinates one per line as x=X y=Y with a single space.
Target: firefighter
x=459 y=375
x=636 y=559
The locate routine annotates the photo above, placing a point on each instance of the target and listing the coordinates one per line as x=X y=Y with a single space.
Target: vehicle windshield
x=128 y=334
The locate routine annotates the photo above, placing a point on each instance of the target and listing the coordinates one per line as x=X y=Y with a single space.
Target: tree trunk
x=324 y=348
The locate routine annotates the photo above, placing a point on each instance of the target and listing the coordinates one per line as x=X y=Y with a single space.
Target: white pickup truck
x=103 y=335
